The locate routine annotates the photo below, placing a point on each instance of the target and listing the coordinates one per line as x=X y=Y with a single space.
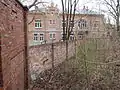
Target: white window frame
x=40 y=37
x=52 y=35
x=40 y=23
x=34 y=37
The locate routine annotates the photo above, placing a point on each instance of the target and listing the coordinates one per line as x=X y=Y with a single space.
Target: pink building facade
x=45 y=25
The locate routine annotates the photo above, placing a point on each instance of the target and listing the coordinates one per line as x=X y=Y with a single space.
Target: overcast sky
x=81 y=3
x=90 y=3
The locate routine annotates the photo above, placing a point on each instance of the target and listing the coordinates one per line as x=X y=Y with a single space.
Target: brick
x=12 y=30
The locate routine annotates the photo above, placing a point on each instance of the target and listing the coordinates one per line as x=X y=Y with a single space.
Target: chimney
x=83 y=7
x=87 y=8
x=52 y=4
x=56 y=6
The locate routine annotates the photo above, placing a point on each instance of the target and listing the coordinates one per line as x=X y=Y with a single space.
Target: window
x=52 y=21
x=82 y=24
x=35 y=37
x=71 y=37
x=80 y=34
x=96 y=24
x=72 y=23
x=41 y=37
x=65 y=23
x=86 y=32
x=38 y=24
x=52 y=35
x=61 y=35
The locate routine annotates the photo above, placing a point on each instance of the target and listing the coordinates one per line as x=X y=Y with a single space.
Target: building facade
x=45 y=25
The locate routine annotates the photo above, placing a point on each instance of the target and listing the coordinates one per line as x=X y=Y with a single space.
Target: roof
x=24 y=7
x=86 y=11
x=40 y=10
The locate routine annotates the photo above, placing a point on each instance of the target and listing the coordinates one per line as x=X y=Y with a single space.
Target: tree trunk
x=67 y=49
x=118 y=13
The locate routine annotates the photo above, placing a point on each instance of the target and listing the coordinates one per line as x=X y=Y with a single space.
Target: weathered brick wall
x=40 y=56
x=12 y=41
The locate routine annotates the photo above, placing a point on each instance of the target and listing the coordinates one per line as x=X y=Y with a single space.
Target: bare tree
x=68 y=15
x=35 y=4
x=68 y=9
x=113 y=7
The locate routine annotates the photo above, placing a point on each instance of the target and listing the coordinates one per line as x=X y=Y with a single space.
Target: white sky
x=92 y=4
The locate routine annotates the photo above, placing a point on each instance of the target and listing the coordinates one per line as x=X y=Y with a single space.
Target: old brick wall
x=12 y=44
x=40 y=56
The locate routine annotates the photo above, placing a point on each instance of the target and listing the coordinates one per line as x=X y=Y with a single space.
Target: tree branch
x=110 y=6
x=33 y=4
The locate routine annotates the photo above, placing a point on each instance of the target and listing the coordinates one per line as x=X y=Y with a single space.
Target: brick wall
x=41 y=56
x=12 y=44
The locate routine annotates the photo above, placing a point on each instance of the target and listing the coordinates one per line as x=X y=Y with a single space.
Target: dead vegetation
x=95 y=67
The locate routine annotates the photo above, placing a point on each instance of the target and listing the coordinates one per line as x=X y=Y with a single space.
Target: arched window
x=82 y=24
